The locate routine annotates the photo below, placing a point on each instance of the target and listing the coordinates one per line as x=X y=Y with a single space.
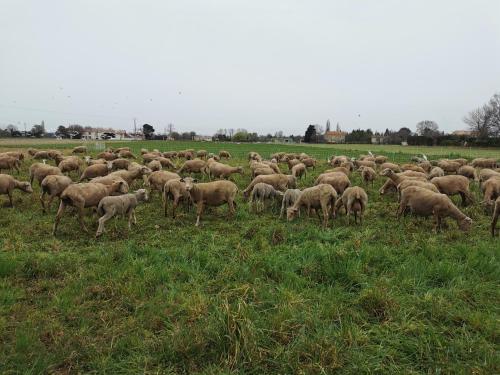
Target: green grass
x=253 y=294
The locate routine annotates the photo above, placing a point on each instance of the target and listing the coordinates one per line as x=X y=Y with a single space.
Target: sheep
x=394 y=167
x=170 y=154
x=309 y=162
x=9 y=183
x=289 y=199
x=54 y=153
x=85 y=195
x=455 y=184
x=262 y=192
x=278 y=155
x=467 y=171
x=193 y=166
x=484 y=163
x=396 y=178
x=220 y=170
x=214 y=193
x=299 y=170
x=9 y=163
x=303 y=156
x=339 y=181
x=126 y=154
x=368 y=174
x=202 y=154
x=32 y=151
x=165 y=162
x=354 y=200
x=411 y=167
x=90 y=161
x=119 y=149
x=380 y=159
x=494 y=219
x=53 y=185
x=38 y=171
x=449 y=166
x=79 y=150
x=40 y=155
x=486 y=173
x=150 y=156
x=460 y=161
x=320 y=196
x=175 y=189
x=336 y=161
x=96 y=170
x=154 y=165
x=365 y=163
x=411 y=182
x=491 y=190
x=157 y=180
x=436 y=172
x=278 y=181
x=223 y=154
x=69 y=165
x=120 y=163
x=144 y=151
x=132 y=173
x=424 y=202
x=343 y=170
x=111 y=206
x=254 y=156
x=15 y=154
x=270 y=164
x=261 y=171
x=426 y=166
x=110 y=180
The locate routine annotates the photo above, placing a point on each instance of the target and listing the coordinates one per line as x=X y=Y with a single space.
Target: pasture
x=251 y=293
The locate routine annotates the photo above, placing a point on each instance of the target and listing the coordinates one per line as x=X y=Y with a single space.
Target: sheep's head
x=291 y=213
x=387 y=172
x=465 y=224
x=145 y=170
x=26 y=187
x=240 y=170
x=142 y=195
x=189 y=181
x=292 y=182
x=110 y=165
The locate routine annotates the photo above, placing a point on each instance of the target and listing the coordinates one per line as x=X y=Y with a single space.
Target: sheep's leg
x=9 y=193
x=199 y=211
x=102 y=220
x=175 y=204
x=59 y=214
x=81 y=214
x=130 y=218
x=324 y=208
x=348 y=212
x=230 y=204
x=282 y=209
x=42 y=201
x=165 y=205
x=49 y=203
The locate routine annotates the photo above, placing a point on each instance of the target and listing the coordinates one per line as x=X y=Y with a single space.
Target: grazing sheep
x=486 y=173
x=224 y=154
x=53 y=185
x=299 y=170
x=484 y=163
x=396 y=178
x=144 y=151
x=38 y=171
x=85 y=195
x=321 y=196
x=79 y=150
x=126 y=154
x=111 y=206
x=449 y=166
x=436 y=172
x=292 y=162
x=278 y=181
x=343 y=170
x=193 y=166
x=467 y=171
x=336 y=161
x=157 y=180
x=338 y=180
x=254 y=156
x=32 y=151
x=309 y=162
x=15 y=154
x=96 y=170
x=175 y=189
x=132 y=173
x=150 y=156
x=454 y=184
x=424 y=202
x=202 y=154
x=170 y=154
x=40 y=155
x=90 y=161
x=289 y=199
x=215 y=193
x=219 y=170
x=494 y=219
x=411 y=167
x=9 y=163
x=262 y=192
x=394 y=167
x=119 y=163
x=426 y=166
x=108 y=156
x=380 y=159
x=9 y=183
x=354 y=200
x=368 y=175
x=69 y=165
x=365 y=163
x=491 y=190
x=165 y=162
x=155 y=165
x=262 y=171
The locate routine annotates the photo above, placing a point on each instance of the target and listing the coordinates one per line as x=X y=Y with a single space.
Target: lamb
x=278 y=181
x=220 y=170
x=424 y=202
x=155 y=165
x=394 y=167
x=157 y=180
x=454 y=184
x=79 y=150
x=126 y=154
x=111 y=206
x=436 y=172
x=53 y=185
x=484 y=163
x=467 y=171
x=289 y=199
x=38 y=171
x=132 y=173
x=9 y=183
x=85 y=195
x=119 y=163
x=175 y=189
x=262 y=192
x=354 y=200
x=320 y=196
x=214 y=193
x=10 y=163
x=368 y=174
x=224 y=154
x=339 y=181
x=96 y=170
x=494 y=219
x=193 y=166
x=298 y=170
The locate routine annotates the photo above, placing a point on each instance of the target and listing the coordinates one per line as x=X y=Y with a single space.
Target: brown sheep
x=262 y=171
x=289 y=198
x=215 y=193
x=396 y=178
x=449 y=166
x=108 y=156
x=96 y=170
x=254 y=156
x=365 y=163
x=292 y=162
x=132 y=174
x=339 y=181
x=368 y=175
x=309 y=162
x=32 y=151
x=219 y=170
x=193 y=166
x=9 y=163
x=15 y=154
x=120 y=163
x=79 y=150
x=354 y=200
x=320 y=196
x=299 y=170
x=424 y=202
x=278 y=181
x=426 y=166
x=436 y=172
x=494 y=219
x=452 y=185
x=491 y=190
x=126 y=154
x=412 y=167
x=85 y=195
x=170 y=154
x=69 y=165
x=40 y=155
x=38 y=171
x=224 y=154
x=486 y=173
x=9 y=183
x=380 y=159
x=467 y=171
x=165 y=162
x=484 y=163
x=336 y=161
x=150 y=156
x=202 y=154
x=53 y=185
x=460 y=161
x=157 y=180
x=394 y=167
x=175 y=189
x=154 y=165
x=343 y=170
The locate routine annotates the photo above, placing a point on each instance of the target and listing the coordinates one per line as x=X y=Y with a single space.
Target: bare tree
x=230 y=132
x=427 y=128
x=170 y=128
x=479 y=121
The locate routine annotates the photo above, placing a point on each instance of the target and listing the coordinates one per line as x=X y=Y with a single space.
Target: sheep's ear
x=195 y=180
x=182 y=180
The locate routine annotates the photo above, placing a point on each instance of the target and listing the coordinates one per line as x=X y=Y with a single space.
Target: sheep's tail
x=100 y=210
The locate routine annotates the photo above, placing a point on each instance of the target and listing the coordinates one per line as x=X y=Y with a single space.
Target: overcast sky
x=260 y=65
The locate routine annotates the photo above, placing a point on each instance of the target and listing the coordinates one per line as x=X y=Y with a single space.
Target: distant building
x=283 y=140
x=206 y=138
x=104 y=133
x=379 y=139
x=465 y=133
x=335 y=136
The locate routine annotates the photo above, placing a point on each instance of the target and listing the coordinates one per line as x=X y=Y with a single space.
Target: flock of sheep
x=423 y=187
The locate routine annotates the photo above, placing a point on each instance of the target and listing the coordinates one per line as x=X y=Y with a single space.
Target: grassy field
x=252 y=294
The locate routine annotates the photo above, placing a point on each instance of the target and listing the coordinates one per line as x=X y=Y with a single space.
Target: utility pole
x=135 y=127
